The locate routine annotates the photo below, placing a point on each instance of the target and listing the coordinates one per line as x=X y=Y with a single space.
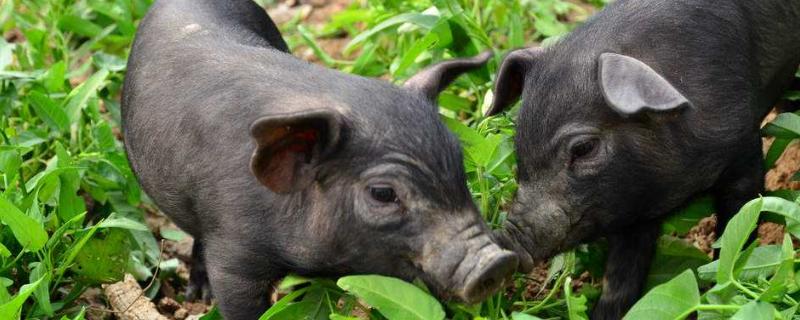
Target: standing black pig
x=276 y=165
x=648 y=104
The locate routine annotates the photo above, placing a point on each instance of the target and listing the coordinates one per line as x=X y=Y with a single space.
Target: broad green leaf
x=786 y=208
x=29 y=232
x=734 y=237
x=784 y=275
x=669 y=300
x=755 y=310
x=11 y=310
x=103 y=259
x=761 y=263
x=394 y=298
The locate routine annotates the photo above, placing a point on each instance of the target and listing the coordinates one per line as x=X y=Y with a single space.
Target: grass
x=72 y=211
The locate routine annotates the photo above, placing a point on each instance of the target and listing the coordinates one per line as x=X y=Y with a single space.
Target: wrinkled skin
x=645 y=106
x=276 y=165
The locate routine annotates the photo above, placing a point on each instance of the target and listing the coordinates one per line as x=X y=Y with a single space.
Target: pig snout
x=535 y=230
x=469 y=265
x=492 y=270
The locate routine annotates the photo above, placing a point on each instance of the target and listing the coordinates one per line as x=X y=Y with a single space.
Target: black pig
x=646 y=105
x=277 y=165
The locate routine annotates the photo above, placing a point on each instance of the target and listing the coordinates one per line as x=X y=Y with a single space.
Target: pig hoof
x=198 y=289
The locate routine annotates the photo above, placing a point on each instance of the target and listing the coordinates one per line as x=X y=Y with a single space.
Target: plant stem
x=708 y=307
x=745 y=290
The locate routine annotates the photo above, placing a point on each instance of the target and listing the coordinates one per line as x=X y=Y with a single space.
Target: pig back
x=194 y=84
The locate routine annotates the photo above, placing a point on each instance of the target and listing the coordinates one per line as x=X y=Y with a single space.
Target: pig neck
x=776 y=36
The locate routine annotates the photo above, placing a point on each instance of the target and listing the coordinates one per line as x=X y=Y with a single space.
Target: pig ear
x=289 y=147
x=435 y=78
x=630 y=86
x=511 y=78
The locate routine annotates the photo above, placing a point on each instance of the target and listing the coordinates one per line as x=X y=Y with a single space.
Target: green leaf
x=42 y=293
x=755 y=310
x=792 y=96
x=79 y=26
x=81 y=94
x=422 y=20
x=11 y=309
x=4 y=251
x=789 y=312
x=292 y=280
x=786 y=125
x=212 y=315
x=734 y=237
x=576 y=306
x=672 y=256
x=6 y=53
x=786 y=208
x=784 y=276
x=282 y=304
x=49 y=111
x=394 y=298
x=116 y=220
x=669 y=300
x=683 y=221
x=172 y=234
x=523 y=316
x=28 y=232
x=761 y=263
x=103 y=259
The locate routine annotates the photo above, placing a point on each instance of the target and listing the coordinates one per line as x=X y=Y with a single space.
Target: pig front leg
x=629 y=258
x=198 y=287
x=242 y=287
x=741 y=182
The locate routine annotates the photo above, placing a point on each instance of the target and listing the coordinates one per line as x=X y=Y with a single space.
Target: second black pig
x=646 y=105
x=276 y=165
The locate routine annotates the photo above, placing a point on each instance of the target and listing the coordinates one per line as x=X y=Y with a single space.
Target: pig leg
x=198 y=287
x=740 y=183
x=629 y=257
x=242 y=287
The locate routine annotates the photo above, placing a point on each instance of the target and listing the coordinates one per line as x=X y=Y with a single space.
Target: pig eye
x=583 y=148
x=383 y=194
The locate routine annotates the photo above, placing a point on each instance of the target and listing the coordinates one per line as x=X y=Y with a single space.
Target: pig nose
x=490 y=274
